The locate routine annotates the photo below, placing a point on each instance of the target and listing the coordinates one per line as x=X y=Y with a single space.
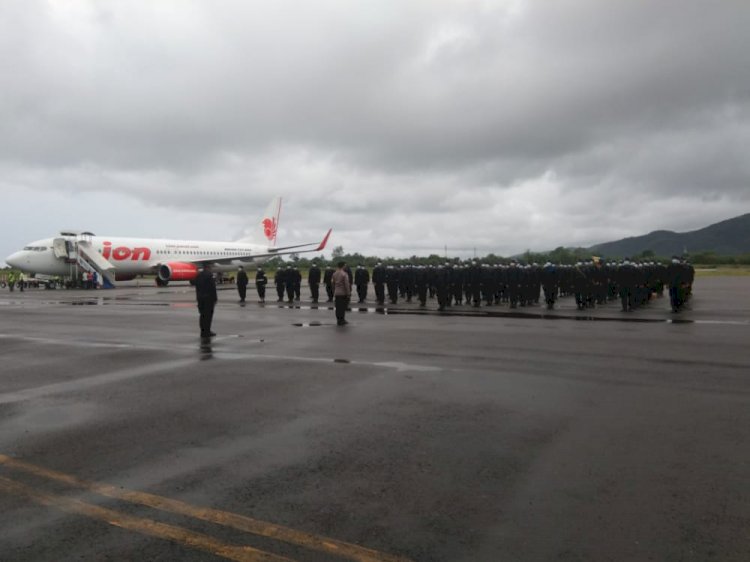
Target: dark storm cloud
x=503 y=125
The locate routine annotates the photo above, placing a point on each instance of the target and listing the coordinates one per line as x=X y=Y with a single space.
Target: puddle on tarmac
x=110 y=302
x=480 y=313
x=46 y=415
x=543 y=316
x=399 y=366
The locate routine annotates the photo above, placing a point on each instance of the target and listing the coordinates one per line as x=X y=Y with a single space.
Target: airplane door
x=60 y=247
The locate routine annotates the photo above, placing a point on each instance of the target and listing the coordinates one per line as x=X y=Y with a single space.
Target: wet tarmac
x=468 y=435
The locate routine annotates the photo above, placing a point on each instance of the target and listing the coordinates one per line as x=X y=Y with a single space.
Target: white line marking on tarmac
x=217 y=353
x=96 y=380
x=67 y=342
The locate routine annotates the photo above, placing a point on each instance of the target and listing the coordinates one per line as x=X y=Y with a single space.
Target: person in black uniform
x=431 y=280
x=627 y=277
x=420 y=284
x=242 y=283
x=407 y=281
x=502 y=282
x=602 y=282
x=458 y=283
x=689 y=278
x=442 y=285
x=401 y=281
x=279 y=280
x=466 y=279
x=391 y=281
x=533 y=284
x=475 y=284
x=205 y=294
x=313 y=280
x=378 y=280
x=327 y=277
x=260 y=284
x=580 y=285
x=361 y=280
x=487 y=283
x=515 y=278
x=549 y=280
x=289 y=279
x=676 y=280
x=297 y=280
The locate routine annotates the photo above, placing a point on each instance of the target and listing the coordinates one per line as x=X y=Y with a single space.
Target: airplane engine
x=177 y=271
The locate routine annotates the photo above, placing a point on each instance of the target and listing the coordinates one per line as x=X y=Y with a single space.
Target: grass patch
x=722 y=270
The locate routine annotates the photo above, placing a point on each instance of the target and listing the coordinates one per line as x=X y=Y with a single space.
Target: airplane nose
x=14 y=260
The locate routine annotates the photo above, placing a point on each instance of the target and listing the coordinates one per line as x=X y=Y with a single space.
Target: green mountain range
x=730 y=237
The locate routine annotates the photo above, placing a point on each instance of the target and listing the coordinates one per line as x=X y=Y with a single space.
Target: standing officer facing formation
x=342 y=291
x=205 y=294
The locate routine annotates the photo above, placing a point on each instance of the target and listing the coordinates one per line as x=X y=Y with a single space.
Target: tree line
x=561 y=255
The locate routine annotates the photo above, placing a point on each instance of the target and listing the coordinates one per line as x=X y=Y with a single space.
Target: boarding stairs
x=88 y=256
x=77 y=249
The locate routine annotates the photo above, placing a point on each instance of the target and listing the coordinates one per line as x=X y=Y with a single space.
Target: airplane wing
x=271 y=252
x=320 y=246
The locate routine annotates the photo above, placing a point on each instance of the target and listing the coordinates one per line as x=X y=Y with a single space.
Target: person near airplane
x=242 y=283
x=205 y=295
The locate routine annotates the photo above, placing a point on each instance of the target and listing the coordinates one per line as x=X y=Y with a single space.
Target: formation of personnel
x=633 y=283
x=592 y=283
x=288 y=281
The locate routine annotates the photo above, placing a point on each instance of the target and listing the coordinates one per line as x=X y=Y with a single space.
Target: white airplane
x=122 y=259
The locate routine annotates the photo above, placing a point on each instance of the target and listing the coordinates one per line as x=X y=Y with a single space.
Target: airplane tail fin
x=267 y=227
x=269 y=224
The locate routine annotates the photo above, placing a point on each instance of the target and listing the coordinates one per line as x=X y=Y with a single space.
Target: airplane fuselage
x=119 y=258
x=139 y=256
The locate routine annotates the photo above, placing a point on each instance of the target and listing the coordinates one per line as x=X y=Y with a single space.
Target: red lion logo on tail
x=269 y=228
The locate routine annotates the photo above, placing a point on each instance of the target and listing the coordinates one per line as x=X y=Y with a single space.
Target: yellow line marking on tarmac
x=227 y=519
x=185 y=537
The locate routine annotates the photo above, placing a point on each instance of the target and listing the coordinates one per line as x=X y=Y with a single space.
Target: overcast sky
x=405 y=126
